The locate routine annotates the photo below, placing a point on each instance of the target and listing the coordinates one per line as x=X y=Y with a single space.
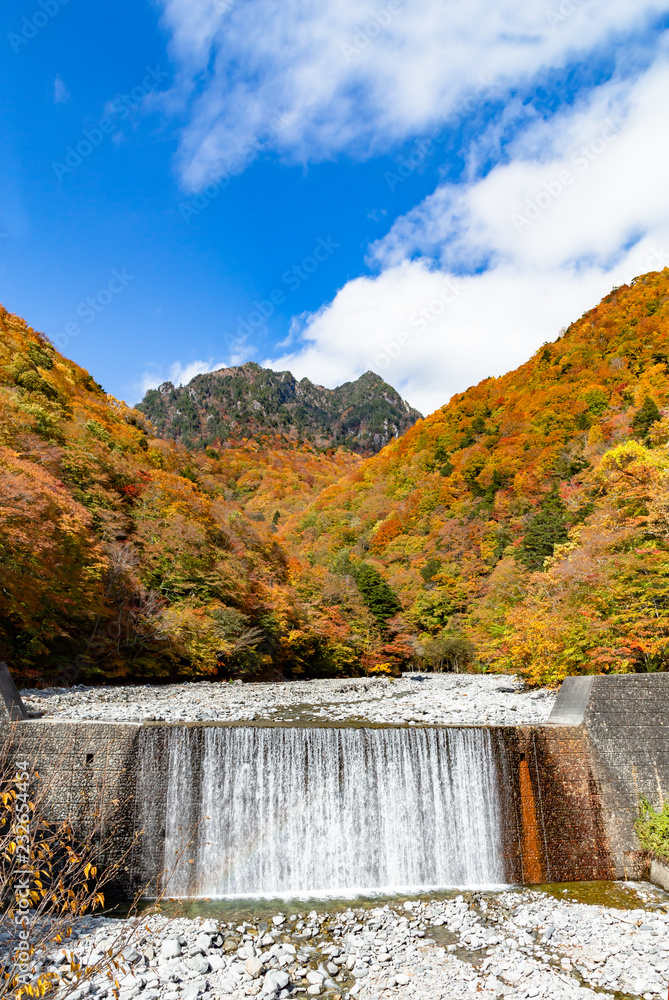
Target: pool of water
x=618 y=895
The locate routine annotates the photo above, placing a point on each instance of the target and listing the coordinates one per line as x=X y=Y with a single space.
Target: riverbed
x=412 y=699
x=579 y=942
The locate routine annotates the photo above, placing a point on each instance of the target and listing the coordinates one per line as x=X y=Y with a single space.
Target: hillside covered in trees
x=249 y=401
x=524 y=526
x=124 y=556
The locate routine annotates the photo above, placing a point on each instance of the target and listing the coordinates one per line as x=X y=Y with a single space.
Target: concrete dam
x=245 y=809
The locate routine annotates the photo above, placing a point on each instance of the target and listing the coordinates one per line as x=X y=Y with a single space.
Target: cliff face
x=249 y=401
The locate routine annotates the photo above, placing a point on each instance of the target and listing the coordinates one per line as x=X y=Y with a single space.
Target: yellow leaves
x=44 y=985
x=169 y=495
x=630 y=458
x=595 y=436
x=562 y=552
x=489 y=541
x=385 y=669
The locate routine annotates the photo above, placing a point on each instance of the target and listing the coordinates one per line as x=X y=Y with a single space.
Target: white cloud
x=61 y=94
x=576 y=191
x=468 y=329
x=604 y=222
x=359 y=79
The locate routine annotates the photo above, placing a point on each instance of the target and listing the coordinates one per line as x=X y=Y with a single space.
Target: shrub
x=652 y=829
x=51 y=876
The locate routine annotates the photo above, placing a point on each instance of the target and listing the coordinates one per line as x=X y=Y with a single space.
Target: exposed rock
x=250 y=401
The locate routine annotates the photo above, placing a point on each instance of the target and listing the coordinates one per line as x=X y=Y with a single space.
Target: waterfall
x=308 y=811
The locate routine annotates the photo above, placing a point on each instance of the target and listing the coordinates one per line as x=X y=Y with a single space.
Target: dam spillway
x=556 y=801
x=320 y=810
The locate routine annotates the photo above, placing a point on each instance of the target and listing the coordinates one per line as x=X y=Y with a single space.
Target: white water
x=305 y=811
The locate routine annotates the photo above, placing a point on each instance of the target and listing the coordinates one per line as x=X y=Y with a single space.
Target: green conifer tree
x=644 y=417
x=376 y=593
x=545 y=529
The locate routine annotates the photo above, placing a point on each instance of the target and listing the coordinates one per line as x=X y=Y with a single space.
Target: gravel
x=515 y=943
x=413 y=699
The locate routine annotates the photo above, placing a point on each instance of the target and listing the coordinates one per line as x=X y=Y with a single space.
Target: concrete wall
x=575 y=783
x=554 y=824
x=625 y=722
x=83 y=773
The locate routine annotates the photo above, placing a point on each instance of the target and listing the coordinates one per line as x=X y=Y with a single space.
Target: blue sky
x=326 y=186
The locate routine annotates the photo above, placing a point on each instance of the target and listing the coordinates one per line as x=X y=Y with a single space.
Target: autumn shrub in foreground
x=51 y=876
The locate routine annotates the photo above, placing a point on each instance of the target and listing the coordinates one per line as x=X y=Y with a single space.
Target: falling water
x=274 y=810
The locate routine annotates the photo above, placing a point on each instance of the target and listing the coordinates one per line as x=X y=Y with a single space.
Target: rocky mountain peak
x=244 y=401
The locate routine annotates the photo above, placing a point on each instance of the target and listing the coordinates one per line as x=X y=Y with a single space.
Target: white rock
x=275 y=979
x=170 y=948
x=254 y=967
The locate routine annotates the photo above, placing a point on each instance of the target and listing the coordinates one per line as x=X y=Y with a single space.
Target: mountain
x=248 y=401
x=124 y=556
x=525 y=525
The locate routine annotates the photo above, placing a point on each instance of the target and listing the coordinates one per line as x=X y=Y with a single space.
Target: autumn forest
x=522 y=527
